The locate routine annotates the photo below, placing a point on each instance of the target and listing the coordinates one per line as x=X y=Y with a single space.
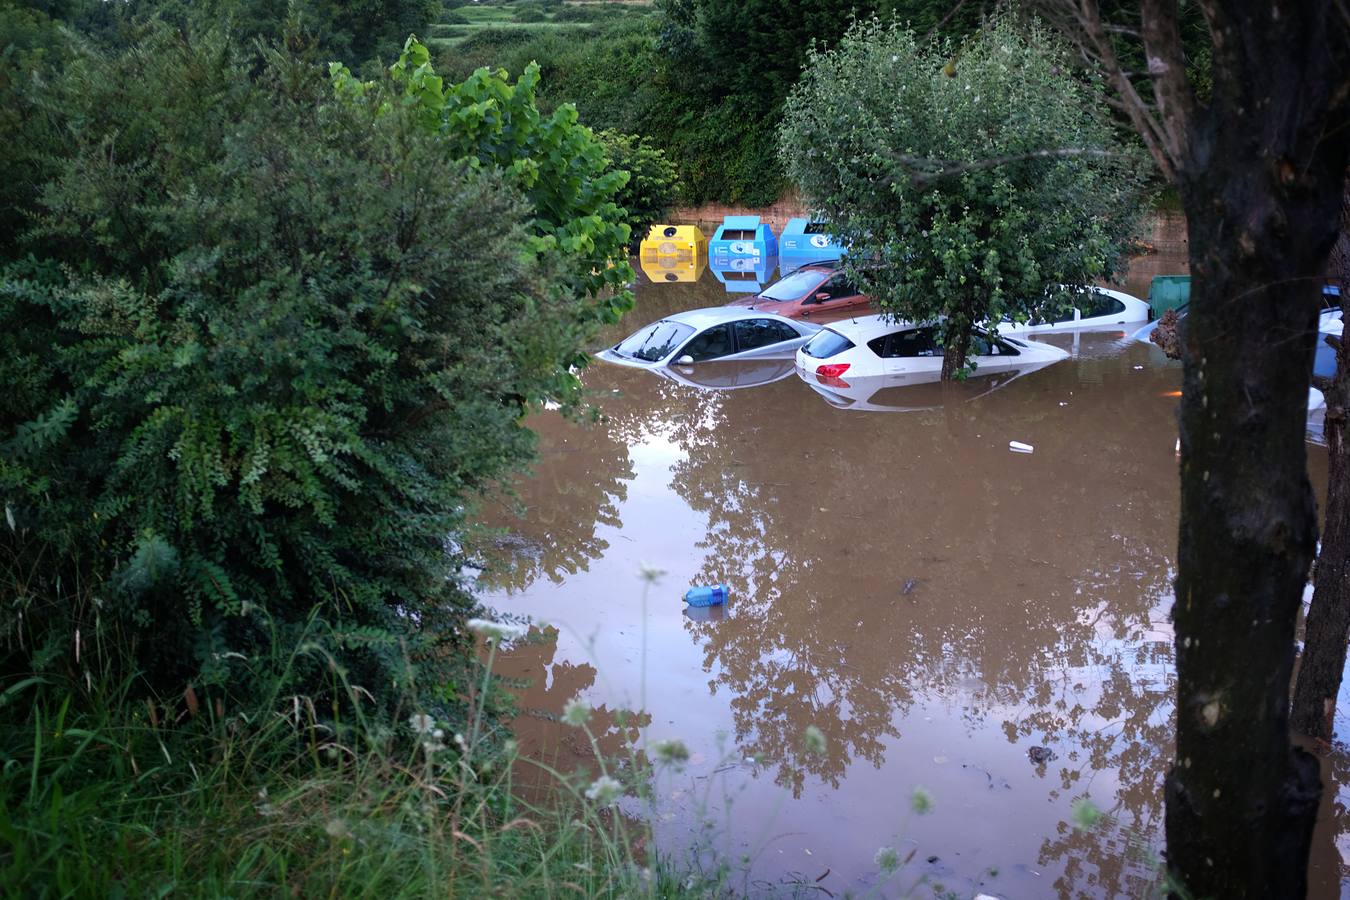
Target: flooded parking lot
x=988 y=626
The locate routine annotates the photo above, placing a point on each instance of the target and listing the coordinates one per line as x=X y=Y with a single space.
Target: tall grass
x=103 y=793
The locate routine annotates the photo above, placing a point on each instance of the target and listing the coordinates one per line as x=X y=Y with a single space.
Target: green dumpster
x=1168 y=292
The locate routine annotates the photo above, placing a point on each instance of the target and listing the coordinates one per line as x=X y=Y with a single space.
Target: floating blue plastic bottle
x=711 y=595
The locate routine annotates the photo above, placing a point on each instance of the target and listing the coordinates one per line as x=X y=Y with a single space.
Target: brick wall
x=1164 y=232
x=710 y=215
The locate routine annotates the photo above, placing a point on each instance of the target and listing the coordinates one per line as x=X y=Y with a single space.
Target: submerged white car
x=877 y=345
x=718 y=332
x=1101 y=308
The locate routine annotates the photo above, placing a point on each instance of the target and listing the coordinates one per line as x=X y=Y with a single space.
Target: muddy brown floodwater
x=987 y=625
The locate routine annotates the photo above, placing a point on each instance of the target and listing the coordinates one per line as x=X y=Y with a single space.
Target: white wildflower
x=336 y=829
x=496 y=631
x=1085 y=814
x=921 y=801
x=421 y=723
x=887 y=859
x=576 y=714
x=813 y=740
x=604 y=790
x=670 y=752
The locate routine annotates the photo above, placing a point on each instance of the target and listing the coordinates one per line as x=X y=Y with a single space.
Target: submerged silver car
x=700 y=335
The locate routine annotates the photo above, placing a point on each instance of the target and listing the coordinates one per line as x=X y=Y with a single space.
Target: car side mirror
x=821 y=297
x=685 y=360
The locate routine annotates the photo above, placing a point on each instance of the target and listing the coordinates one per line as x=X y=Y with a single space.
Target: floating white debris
x=1019 y=447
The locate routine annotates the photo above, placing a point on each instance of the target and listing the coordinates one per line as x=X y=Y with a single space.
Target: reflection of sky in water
x=933 y=603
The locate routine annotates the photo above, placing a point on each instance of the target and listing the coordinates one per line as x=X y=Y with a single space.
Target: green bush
x=493 y=40
x=722 y=144
x=265 y=344
x=652 y=183
x=529 y=14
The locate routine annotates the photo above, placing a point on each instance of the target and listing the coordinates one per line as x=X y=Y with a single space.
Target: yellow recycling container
x=669 y=267
x=673 y=240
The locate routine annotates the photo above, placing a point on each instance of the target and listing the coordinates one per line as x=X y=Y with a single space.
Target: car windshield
x=826 y=344
x=654 y=342
x=792 y=287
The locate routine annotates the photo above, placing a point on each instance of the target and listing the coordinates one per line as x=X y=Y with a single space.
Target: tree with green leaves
x=652 y=180
x=973 y=182
x=557 y=163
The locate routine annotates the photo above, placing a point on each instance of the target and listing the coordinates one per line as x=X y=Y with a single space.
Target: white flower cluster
x=496 y=631
x=604 y=791
x=576 y=714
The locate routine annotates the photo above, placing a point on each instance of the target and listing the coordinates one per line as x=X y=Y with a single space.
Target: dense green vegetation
x=703 y=80
x=967 y=179
x=269 y=328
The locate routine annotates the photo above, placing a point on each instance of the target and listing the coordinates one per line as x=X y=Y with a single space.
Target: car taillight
x=833 y=370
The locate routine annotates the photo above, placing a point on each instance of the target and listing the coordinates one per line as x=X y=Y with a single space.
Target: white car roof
x=716 y=315
x=864 y=328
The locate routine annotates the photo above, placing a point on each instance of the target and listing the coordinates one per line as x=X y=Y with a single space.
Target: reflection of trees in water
x=1011 y=557
x=544 y=685
x=1034 y=582
x=1330 y=869
x=551 y=526
x=1117 y=719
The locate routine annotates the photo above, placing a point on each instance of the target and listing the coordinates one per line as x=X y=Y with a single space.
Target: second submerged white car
x=1098 y=308
x=877 y=345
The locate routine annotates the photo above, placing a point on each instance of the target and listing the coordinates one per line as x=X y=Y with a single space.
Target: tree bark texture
x=957 y=339
x=1260 y=180
x=1328 y=626
x=1322 y=667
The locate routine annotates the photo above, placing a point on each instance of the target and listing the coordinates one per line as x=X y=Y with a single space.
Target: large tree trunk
x=956 y=339
x=954 y=355
x=1259 y=159
x=1323 y=662
x=1241 y=800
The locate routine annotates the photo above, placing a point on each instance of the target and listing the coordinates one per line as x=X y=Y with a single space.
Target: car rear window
x=1099 y=304
x=825 y=344
x=654 y=342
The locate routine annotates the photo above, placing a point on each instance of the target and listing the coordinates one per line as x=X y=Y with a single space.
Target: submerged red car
x=815 y=291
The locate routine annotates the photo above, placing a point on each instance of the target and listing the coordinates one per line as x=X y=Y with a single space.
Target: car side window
x=784 y=331
x=711 y=344
x=751 y=334
x=911 y=343
x=838 y=286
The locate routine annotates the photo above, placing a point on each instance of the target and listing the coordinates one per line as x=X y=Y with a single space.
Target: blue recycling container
x=710 y=595
x=745 y=274
x=741 y=237
x=804 y=241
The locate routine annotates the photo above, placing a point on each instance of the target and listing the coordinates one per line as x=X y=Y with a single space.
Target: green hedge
x=268 y=334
